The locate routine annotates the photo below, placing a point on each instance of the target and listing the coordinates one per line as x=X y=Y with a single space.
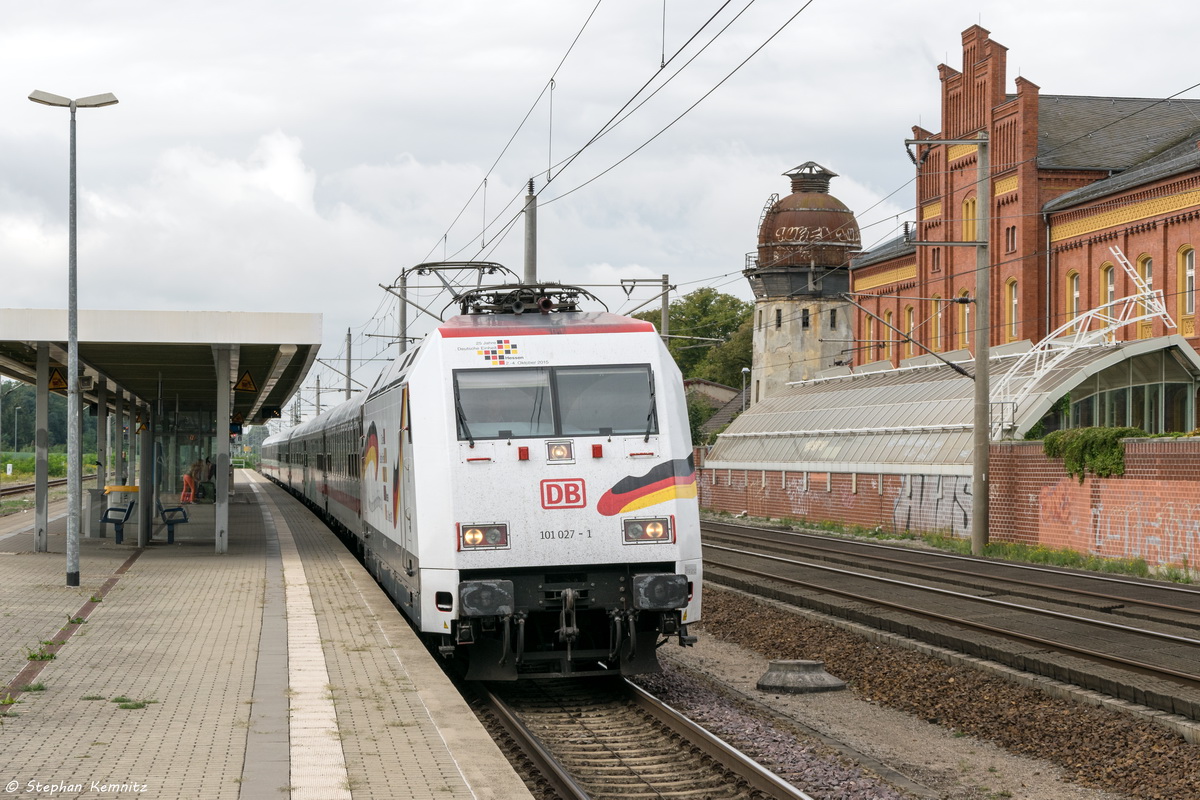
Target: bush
x=1095 y=450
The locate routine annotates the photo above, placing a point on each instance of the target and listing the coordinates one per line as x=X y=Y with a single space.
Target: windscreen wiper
x=462 y=419
x=652 y=417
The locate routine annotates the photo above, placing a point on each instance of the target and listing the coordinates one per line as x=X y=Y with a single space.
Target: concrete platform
x=278 y=669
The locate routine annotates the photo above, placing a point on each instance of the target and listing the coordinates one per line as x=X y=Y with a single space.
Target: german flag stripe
x=371 y=456
x=677 y=492
x=662 y=481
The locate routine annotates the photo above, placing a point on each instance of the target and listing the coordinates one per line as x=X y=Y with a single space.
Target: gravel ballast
x=958 y=733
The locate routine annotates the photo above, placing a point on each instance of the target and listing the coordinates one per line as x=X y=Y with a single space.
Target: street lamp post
x=74 y=457
x=15 y=410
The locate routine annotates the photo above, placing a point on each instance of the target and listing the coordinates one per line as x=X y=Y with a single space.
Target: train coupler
x=567 y=629
x=684 y=639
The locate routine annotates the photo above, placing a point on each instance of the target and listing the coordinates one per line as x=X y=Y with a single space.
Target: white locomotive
x=521 y=484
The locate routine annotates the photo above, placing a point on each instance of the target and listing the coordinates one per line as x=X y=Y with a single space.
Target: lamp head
x=91 y=101
x=47 y=99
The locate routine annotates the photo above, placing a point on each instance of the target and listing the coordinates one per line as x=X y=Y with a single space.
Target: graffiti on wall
x=934 y=503
x=1163 y=532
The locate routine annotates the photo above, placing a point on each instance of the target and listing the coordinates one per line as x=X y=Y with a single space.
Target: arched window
x=1072 y=295
x=908 y=331
x=964 y=321
x=1108 y=283
x=1145 y=268
x=1012 y=317
x=968 y=220
x=937 y=323
x=1187 y=281
x=889 y=333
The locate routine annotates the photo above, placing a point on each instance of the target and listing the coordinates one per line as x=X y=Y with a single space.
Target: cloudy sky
x=294 y=156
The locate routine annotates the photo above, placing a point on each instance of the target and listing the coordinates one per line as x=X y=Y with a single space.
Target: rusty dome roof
x=809 y=226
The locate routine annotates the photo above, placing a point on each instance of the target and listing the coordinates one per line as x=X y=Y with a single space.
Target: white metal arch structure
x=1019 y=381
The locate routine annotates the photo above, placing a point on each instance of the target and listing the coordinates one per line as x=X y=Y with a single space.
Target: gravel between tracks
x=962 y=734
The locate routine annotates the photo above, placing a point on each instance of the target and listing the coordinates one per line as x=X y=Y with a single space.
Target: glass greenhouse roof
x=918 y=418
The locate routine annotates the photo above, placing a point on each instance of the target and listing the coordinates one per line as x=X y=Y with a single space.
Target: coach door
x=406 y=505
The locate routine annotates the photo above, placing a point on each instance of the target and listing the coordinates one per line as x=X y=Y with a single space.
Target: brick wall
x=894 y=502
x=1150 y=512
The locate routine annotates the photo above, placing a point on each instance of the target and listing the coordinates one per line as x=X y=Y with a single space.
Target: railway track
x=1135 y=640
x=609 y=740
x=24 y=488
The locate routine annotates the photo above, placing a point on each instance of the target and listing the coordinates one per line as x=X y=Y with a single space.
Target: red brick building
x=1069 y=178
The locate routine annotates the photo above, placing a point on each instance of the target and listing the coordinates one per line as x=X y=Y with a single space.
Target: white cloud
x=296 y=160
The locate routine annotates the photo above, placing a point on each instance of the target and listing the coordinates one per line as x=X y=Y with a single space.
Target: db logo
x=567 y=493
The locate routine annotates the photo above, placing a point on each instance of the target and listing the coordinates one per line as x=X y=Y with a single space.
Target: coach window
x=513 y=400
x=595 y=400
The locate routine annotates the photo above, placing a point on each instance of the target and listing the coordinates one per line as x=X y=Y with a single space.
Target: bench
x=175 y=515
x=117 y=516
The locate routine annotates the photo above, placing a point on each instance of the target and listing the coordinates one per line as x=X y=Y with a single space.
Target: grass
x=125 y=702
x=38 y=655
x=34 y=687
x=93 y=697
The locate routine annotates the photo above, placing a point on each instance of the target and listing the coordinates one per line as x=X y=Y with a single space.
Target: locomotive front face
x=572 y=501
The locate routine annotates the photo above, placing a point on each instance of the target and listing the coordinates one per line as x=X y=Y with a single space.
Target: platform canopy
x=169 y=355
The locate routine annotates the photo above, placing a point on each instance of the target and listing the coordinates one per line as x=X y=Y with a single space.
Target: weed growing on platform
x=96 y=599
x=93 y=697
x=34 y=687
x=7 y=701
x=121 y=699
x=38 y=655
x=75 y=620
x=132 y=704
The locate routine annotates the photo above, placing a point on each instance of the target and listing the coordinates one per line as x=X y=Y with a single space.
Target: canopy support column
x=41 y=469
x=221 y=459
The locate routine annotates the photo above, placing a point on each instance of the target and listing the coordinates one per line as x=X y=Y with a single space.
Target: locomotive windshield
x=556 y=401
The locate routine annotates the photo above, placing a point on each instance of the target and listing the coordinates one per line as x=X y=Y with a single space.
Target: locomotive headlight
x=644 y=531
x=560 y=451
x=483 y=536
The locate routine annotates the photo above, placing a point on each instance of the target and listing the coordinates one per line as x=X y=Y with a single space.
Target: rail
x=610 y=737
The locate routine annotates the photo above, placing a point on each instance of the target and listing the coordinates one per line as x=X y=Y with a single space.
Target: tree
x=699 y=410
x=707 y=314
x=724 y=362
x=14 y=394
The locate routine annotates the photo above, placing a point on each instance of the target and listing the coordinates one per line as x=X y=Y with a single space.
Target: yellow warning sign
x=246 y=383
x=238 y=419
x=57 y=381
